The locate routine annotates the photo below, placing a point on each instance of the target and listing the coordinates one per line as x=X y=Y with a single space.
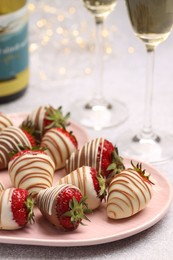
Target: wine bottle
x=14 y=57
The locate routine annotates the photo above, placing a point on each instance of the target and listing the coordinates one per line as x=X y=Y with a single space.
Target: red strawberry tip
x=30 y=137
x=22 y=206
x=29 y=130
x=70 y=135
x=24 y=150
x=73 y=137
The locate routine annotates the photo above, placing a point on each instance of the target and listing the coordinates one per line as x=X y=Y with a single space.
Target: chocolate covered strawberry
x=32 y=170
x=91 y=184
x=63 y=206
x=128 y=193
x=4 y=121
x=13 y=138
x=99 y=154
x=16 y=208
x=45 y=117
x=60 y=144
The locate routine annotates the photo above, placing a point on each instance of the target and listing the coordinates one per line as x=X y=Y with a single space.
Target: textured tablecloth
x=125 y=78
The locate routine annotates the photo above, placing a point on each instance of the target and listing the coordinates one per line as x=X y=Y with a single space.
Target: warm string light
x=31 y=7
x=58 y=25
x=131 y=50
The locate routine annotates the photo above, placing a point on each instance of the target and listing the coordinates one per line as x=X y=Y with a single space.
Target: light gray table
x=125 y=77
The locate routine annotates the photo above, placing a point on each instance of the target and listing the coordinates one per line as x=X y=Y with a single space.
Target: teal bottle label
x=13 y=44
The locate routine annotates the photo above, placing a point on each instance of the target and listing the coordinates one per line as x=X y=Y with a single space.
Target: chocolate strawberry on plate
x=63 y=206
x=16 y=208
x=45 y=117
x=32 y=170
x=128 y=193
x=99 y=154
x=60 y=143
x=13 y=138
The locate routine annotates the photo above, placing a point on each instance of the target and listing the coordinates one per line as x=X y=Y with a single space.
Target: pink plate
x=100 y=229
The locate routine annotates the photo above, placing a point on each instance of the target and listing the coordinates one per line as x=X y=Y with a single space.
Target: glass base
x=99 y=114
x=154 y=150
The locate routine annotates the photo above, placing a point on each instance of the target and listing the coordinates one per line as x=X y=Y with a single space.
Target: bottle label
x=13 y=51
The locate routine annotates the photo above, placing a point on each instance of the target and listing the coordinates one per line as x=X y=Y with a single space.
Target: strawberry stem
x=102 y=185
x=77 y=210
x=56 y=118
x=30 y=203
x=117 y=164
x=138 y=168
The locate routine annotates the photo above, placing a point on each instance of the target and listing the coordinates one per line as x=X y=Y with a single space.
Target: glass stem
x=99 y=60
x=147 y=131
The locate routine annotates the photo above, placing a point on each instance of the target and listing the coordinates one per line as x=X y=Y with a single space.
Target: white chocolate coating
x=37 y=118
x=6 y=216
x=82 y=179
x=86 y=155
x=59 y=147
x=128 y=193
x=10 y=138
x=32 y=172
x=4 y=122
x=1 y=186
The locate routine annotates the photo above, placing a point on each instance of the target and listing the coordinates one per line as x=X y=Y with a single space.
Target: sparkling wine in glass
x=99 y=113
x=152 y=21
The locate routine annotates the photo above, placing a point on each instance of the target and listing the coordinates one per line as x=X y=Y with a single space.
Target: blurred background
x=61 y=37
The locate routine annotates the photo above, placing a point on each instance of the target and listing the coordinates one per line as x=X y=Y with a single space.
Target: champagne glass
x=99 y=113
x=152 y=22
